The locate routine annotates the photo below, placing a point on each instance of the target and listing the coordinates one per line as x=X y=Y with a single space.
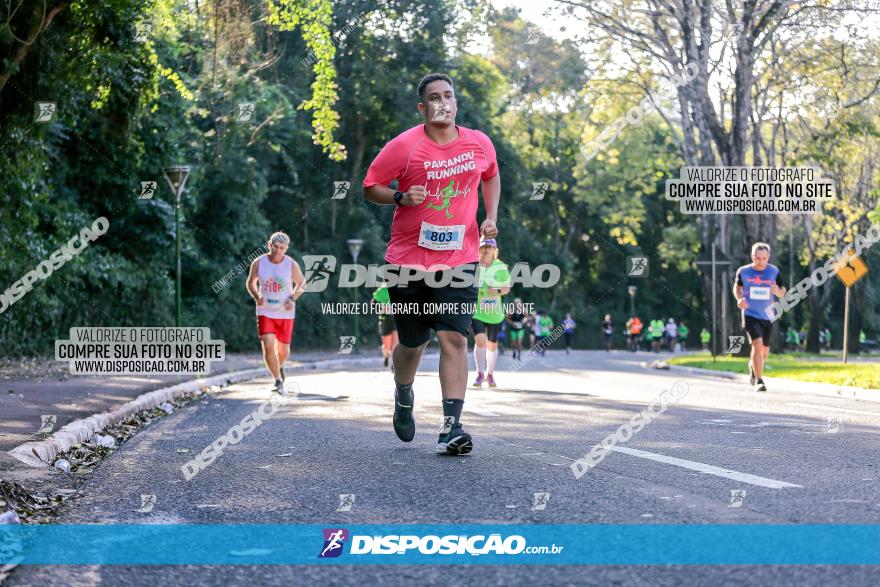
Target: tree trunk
x=38 y=25
x=816 y=315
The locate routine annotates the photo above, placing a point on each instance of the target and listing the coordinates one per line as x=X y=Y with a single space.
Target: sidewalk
x=48 y=389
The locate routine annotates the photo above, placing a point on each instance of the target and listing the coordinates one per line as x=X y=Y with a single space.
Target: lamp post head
x=176 y=176
x=354 y=247
x=632 y=290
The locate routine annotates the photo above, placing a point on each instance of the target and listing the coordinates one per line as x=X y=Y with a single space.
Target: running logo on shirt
x=448 y=193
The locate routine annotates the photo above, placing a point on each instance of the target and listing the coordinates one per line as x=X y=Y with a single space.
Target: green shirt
x=381 y=295
x=682 y=331
x=489 y=308
x=705 y=336
x=545 y=324
x=656 y=328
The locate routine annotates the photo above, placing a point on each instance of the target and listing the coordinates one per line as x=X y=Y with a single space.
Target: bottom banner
x=655 y=544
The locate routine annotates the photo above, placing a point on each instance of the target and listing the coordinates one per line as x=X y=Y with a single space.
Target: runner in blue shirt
x=569 y=325
x=754 y=287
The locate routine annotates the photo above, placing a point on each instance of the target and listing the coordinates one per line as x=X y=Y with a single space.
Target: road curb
x=39 y=453
x=810 y=387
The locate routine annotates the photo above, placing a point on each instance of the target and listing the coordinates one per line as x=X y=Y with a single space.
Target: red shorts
x=282 y=328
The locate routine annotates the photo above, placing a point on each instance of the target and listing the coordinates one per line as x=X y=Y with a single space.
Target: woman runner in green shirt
x=486 y=323
x=387 y=326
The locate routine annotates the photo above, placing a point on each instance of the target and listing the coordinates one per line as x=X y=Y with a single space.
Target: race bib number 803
x=441 y=238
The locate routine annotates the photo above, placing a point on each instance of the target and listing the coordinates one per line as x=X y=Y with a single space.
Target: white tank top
x=276 y=285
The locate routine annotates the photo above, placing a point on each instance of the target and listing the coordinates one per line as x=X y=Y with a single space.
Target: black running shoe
x=761 y=386
x=752 y=377
x=385 y=362
x=279 y=387
x=453 y=439
x=404 y=423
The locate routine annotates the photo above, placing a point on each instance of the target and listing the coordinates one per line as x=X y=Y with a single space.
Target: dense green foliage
x=330 y=85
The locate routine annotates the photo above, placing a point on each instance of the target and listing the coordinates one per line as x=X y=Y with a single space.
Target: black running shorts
x=490 y=330
x=414 y=328
x=386 y=324
x=757 y=328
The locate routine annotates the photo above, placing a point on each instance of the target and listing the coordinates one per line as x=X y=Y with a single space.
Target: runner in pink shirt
x=439 y=167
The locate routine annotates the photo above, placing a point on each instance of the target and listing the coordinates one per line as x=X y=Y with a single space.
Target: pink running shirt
x=443 y=230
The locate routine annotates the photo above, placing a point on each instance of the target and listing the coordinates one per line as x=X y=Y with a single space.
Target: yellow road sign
x=854 y=270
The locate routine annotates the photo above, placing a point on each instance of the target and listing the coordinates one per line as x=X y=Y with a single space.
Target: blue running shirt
x=756 y=288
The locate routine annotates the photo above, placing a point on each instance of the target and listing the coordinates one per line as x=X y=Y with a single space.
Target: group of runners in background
x=276 y=281
x=658 y=335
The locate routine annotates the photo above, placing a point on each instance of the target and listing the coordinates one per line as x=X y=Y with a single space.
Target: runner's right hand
x=742 y=304
x=414 y=196
x=260 y=301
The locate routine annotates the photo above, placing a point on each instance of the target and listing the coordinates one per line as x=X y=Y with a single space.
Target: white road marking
x=704 y=468
x=835 y=409
x=479 y=411
x=773 y=422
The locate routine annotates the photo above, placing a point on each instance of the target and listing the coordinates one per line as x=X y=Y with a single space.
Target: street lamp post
x=176 y=177
x=632 y=299
x=354 y=247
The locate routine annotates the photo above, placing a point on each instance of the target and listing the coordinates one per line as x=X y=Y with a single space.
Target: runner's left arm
x=491 y=184
x=779 y=287
x=491 y=197
x=298 y=280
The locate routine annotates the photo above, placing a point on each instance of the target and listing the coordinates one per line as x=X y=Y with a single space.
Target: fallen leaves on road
x=37 y=508
x=31 y=506
x=86 y=456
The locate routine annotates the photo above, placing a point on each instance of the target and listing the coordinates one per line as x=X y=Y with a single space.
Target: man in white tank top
x=275 y=282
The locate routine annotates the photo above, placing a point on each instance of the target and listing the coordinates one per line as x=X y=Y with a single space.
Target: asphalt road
x=799 y=458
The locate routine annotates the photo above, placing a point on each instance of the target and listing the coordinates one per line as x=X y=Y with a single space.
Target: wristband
x=397 y=198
